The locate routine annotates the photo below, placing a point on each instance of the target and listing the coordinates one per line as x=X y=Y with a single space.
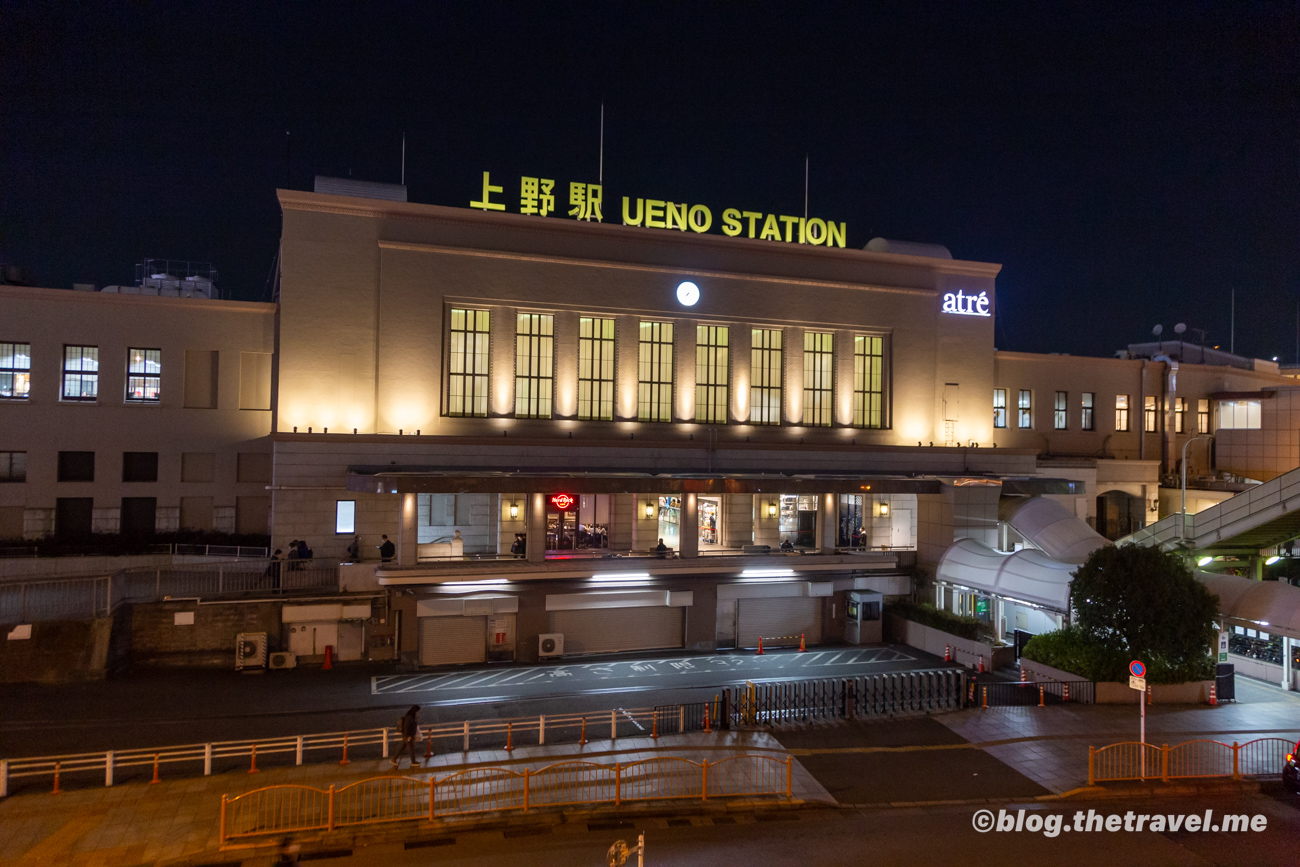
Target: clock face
x=688 y=293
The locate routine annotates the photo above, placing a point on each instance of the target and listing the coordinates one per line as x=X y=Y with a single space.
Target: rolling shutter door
x=780 y=621
x=607 y=630
x=452 y=640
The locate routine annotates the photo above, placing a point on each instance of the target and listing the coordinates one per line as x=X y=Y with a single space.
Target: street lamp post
x=1182 y=521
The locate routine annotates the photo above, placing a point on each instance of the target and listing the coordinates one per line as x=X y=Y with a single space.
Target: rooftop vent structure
x=360 y=189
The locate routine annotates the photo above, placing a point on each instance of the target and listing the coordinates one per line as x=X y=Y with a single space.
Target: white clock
x=688 y=293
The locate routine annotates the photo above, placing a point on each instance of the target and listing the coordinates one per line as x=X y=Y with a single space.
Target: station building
x=586 y=438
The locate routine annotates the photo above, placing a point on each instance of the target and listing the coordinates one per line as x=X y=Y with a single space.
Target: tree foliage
x=1133 y=602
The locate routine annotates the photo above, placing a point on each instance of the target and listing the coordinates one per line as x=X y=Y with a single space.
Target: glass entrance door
x=561 y=528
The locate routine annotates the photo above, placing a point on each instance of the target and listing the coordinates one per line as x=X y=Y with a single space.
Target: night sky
x=1127 y=164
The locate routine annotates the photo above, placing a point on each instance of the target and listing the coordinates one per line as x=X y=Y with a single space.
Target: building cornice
x=298 y=200
x=209 y=305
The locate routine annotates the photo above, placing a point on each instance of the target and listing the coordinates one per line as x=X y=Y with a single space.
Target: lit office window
x=534 y=362
x=143 y=375
x=765 y=376
x=1086 y=402
x=1149 y=413
x=711 y=369
x=345 y=516
x=467 y=384
x=1059 y=411
x=999 y=407
x=1121 y=412
x=818 y=378
x=595 y=369
x=1180 y=413
x=654 y=384
x=1239 y=414
x=868 y=382
x=1203 y=416
x=1025 y=406
x=15 y=370
x=81 y=373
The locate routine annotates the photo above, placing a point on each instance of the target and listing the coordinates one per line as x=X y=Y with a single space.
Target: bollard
x=760 y=646
x=108 y=768
x=509 y=734
x=345 y=760
x=707 y=728
x=466 y=735
x=541 y=730
x=582 y=738
x=981 y=663
x=155 y=781
x=428 y=748
x=252 y=769
x=1042 y=695
x=654 y=727
x=1092 y=761
x=986 y=698
x=58 y=765
x=613 y=725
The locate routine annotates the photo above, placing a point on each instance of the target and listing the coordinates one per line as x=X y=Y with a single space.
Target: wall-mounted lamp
x=771 y=510
x=649 y=509
x=514 y=511
x=884 y=510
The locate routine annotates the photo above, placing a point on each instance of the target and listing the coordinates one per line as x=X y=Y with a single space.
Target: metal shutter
x=452 y=640
x=606 y=630
x=780 y=621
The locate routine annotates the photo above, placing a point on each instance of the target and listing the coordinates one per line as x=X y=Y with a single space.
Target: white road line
x=535 y=676
x=513 y=676
x=831 y=661
x=478 y=682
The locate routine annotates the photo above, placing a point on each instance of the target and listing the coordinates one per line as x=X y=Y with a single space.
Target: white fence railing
x=190 y=758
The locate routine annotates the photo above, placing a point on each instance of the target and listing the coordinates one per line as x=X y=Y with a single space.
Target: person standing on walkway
x=409 y=728
x=386 y=549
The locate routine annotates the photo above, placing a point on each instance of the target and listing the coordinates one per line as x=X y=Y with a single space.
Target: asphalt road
x=887 y=836
x=160 y=707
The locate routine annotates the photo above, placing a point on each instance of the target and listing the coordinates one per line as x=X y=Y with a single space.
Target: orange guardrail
x=293 y=809
x=1193 y=759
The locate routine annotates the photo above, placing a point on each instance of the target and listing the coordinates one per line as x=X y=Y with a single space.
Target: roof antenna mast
x=805 y=186
x=600 y=176
x=403 y=159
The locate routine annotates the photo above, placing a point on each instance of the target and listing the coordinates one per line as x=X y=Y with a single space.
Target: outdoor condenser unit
x=550 y=644
x=250 y=650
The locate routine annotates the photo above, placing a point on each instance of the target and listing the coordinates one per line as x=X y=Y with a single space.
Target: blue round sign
x=1137 y=669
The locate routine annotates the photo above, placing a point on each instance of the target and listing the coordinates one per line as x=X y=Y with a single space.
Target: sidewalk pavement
x=178 y=819
x=1050 y=745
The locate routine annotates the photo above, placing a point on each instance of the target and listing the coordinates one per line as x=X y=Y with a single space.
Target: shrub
x=970 y=628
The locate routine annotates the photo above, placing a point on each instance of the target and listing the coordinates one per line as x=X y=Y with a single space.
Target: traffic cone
x=1066 y=687
x=1024 y=675
x=760 y=646
x=1214 y=695
x=981 y=669
x=329 y=658
x=947 y=653
x=802 y=647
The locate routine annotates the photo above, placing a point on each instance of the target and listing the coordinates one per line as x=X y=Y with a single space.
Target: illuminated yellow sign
x=536 y=197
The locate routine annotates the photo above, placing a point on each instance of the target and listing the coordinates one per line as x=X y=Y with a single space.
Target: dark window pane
x=139 y=466
x=76 y=466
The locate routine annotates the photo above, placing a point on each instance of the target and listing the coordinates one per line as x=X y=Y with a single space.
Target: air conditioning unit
x=283 y=660
x=550 y=644
x=250 y=650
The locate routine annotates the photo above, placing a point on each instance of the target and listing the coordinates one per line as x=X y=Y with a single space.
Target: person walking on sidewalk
x=409 y=728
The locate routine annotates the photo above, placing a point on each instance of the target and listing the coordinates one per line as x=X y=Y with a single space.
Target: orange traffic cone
x=981 y=663
x=803 y=648
x=329 y=658
x=947 y=653
x=1214 y=695
x=1066 y=688
x=760 y=646
x=1024 y=675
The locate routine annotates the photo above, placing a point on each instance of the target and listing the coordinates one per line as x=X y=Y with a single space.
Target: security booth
x=863 y=617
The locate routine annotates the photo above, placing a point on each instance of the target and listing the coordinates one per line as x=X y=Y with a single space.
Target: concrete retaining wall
x=156 y=639
x=58 y=651
x=964 y=651
x=1192 y=692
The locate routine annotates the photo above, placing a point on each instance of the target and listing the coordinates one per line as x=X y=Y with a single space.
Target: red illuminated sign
x=564 y=502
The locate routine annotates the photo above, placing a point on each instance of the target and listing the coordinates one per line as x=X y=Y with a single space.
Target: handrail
x=274 y=810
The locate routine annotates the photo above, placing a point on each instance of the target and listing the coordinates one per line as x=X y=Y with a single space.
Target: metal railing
x=292 y=809
x=1029 y=693
x=895 y=694
x=213 y=757
x=39 y=599
x=158 y=548
x=1131 y=760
